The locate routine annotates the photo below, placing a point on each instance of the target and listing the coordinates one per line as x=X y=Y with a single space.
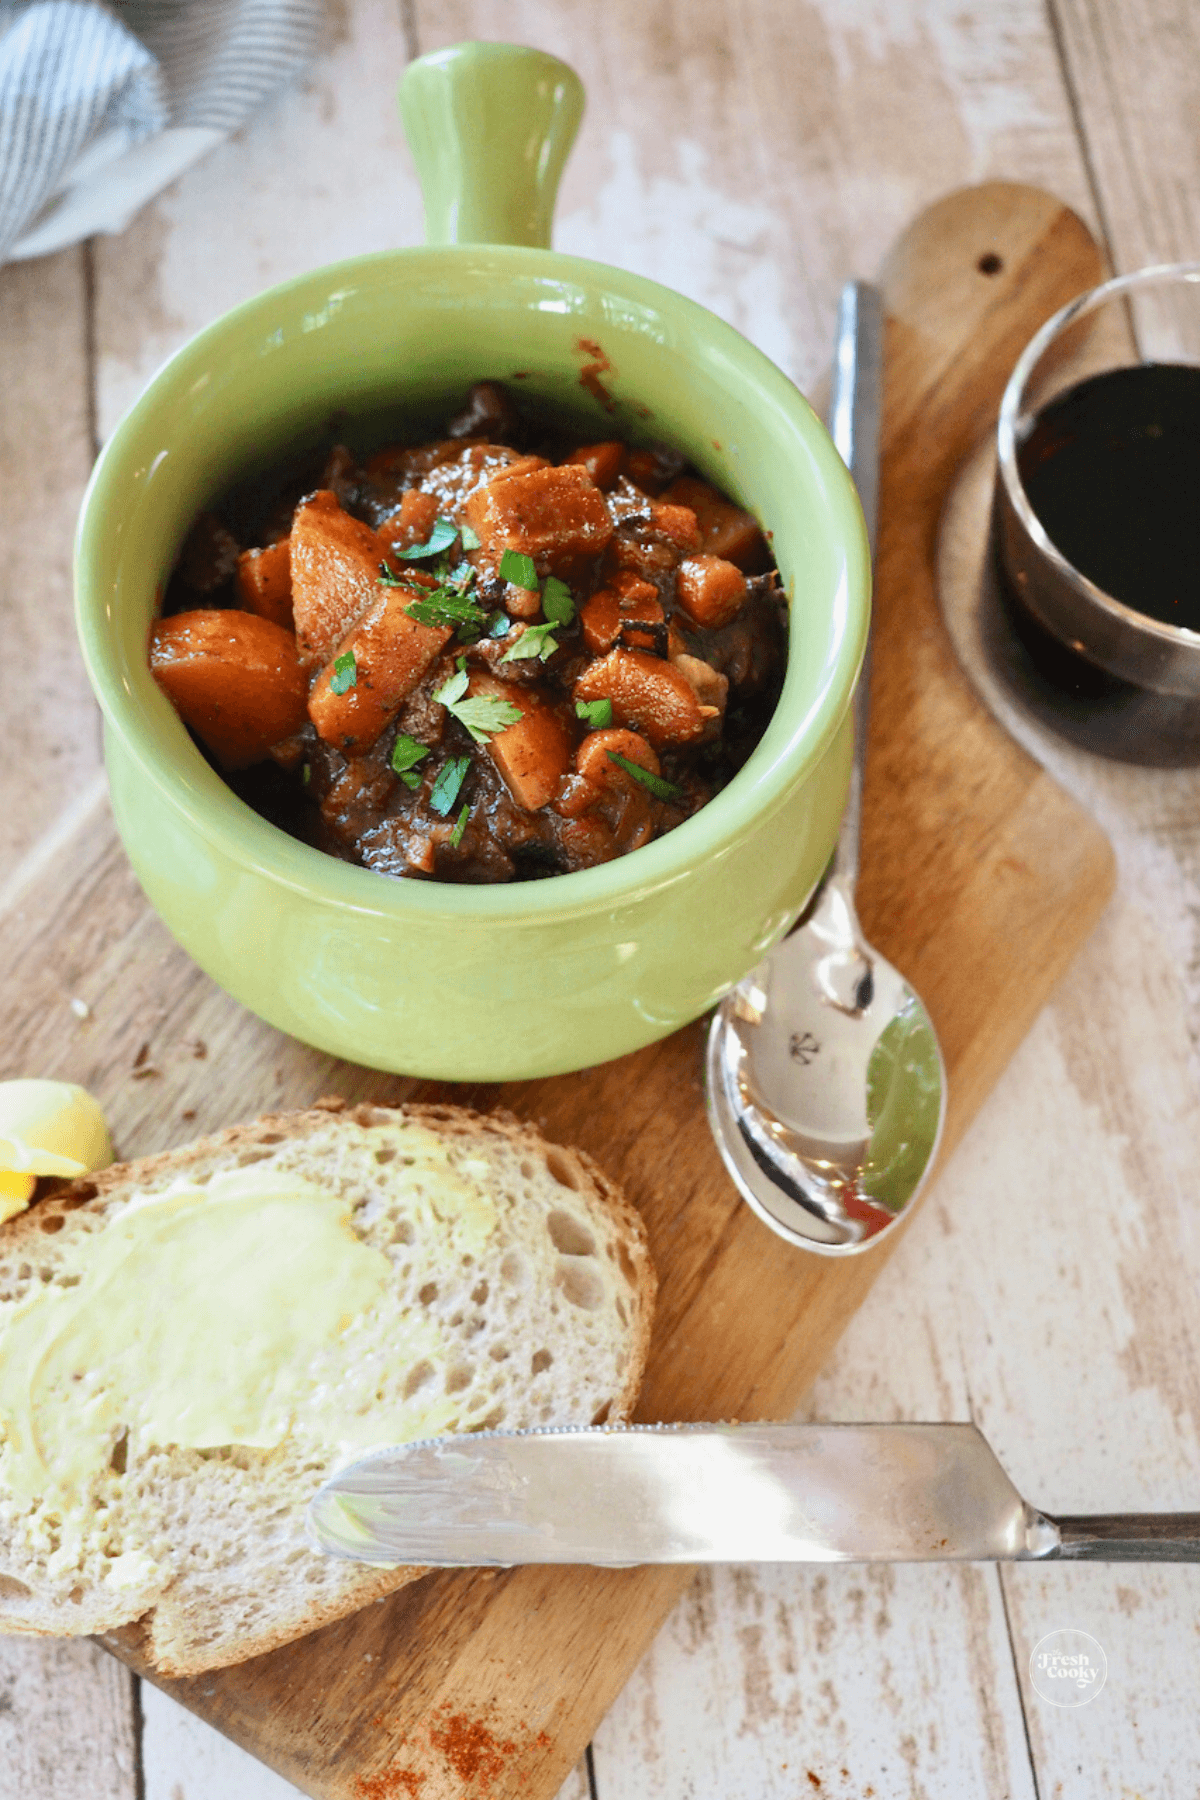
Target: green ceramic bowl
x=492 y=983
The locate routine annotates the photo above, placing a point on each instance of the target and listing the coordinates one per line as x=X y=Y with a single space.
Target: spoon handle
x=854 y=414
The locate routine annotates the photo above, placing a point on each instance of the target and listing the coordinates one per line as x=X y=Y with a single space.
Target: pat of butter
x=47 y=1128
x=199 y=1316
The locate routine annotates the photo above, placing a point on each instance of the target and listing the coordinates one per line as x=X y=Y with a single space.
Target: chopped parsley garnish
x=596 y=714
x=499 y=624
x=470 y=540
x=662 y=790
x=557 y=604
x=306 y=774
x=452 y=689
x=345 y=673
x=519 y=569
x=460 y=825
x=482 y=714
x=440 y=538
x=485 y=714
x=445 y=790
x=535 y=640
x=447 y=606
x=407 y=752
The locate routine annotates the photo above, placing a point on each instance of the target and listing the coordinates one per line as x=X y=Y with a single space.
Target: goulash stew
x=493 y=657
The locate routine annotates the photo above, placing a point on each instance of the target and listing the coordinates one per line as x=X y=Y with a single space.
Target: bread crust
x=97 y=1194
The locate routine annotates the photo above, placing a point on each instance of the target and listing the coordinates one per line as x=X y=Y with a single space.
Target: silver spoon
x=826 y=1090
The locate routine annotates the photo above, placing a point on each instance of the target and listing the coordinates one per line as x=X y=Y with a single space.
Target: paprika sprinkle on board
x=466 y=1747
x=392 y=1784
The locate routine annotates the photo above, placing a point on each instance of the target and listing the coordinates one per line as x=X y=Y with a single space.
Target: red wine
x=1112 y=470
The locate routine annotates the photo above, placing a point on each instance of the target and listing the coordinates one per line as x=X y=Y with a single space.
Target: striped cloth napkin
x=101 y=105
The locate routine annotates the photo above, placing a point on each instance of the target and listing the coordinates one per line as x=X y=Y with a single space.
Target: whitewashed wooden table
x=754 y=153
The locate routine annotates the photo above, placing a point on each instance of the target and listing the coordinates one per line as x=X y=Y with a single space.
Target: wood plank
x=45 y=456
x=767 y=1683
x=1134 y=72
x=185 y=1759
x=66 y=1723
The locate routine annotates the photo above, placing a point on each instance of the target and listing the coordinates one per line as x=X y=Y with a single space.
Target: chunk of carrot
x=603 y=462
x=626 y=609
x=648 y=695
x=675 y=525
x=595 y=764
x=553 y=515
x=335 y=573
x=532 y=755
x=600 y=619
x=389 y=653
x=264 y=583
x=234 y=677
x=412 y=521
x=710 y=590
x=725 y=530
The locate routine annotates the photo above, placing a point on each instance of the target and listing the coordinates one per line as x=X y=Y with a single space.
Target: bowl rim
x=199 y=794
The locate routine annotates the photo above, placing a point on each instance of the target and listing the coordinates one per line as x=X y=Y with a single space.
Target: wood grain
x=1134 y=75
x=45 y=455
x=1097 y=1120
x=742 y=1696
x=67 y=1724
x=994 y=863
x=66 y=1716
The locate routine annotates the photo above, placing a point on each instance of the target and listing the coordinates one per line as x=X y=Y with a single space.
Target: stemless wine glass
x=1152 y=316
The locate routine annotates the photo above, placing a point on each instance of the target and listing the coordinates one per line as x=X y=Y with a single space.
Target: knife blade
x=619 y=1496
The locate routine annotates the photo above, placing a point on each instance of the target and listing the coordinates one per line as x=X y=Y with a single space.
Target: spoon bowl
x=826 y=1087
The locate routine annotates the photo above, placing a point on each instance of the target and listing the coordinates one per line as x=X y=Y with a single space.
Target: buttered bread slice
x=191 y=1344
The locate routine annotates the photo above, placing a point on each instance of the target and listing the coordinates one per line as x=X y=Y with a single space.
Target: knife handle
x=1129 y=1537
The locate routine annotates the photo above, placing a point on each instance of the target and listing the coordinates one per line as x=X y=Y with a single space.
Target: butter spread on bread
x=191 y=1344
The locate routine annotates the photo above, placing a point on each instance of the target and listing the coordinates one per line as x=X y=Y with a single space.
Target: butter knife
x=616 y=1497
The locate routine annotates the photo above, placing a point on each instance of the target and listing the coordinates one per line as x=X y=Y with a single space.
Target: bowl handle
x=490 y=127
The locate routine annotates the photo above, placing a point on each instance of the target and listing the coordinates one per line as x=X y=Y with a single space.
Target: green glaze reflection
x=904 y=1107
x=490 y=127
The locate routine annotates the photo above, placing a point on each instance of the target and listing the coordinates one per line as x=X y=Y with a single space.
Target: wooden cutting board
x=981 y=879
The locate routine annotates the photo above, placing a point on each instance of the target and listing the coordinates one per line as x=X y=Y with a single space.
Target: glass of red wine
x=1097 y=505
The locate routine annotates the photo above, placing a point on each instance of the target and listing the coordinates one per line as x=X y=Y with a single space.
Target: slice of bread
x=539 y=1315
